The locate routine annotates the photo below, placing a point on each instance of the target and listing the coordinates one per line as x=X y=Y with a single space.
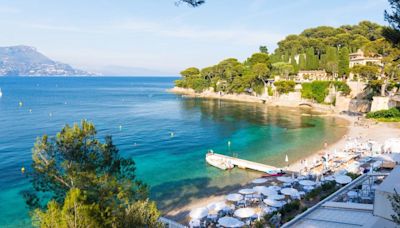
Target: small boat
x=218 y=162
x=1 y=93
x=274 y=173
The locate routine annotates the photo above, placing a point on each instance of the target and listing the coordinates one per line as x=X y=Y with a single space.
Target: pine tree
x=344 y=61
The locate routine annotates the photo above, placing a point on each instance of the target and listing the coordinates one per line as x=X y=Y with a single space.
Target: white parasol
x=259 y=181
x=273 y=203
x=289 y=191
x=230 y=222
x=244 y=212
x=217 y=206
x=276 y=197
x=342 y=179
x=264 y=190
x=247 y=191
x=199 y=213
x=285 y=179
x=234 y=197
x=274 y=187
x=307 y=182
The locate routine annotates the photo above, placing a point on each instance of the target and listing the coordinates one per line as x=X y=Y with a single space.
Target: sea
x=166 y=134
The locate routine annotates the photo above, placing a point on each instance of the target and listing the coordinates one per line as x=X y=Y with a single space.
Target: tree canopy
x=76 y=168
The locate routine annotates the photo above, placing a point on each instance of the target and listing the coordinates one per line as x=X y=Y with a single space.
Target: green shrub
x=318 y=90
x=259 y=89
x=342 y=87
x=353 y=175
x=385 y=114
x=270 y=92
x=180 y=83
x=284 y=87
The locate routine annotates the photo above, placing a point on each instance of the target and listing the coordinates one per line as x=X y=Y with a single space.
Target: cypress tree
x=344 y=61
x=294 y=64
x=302 y=62
x=310 y=59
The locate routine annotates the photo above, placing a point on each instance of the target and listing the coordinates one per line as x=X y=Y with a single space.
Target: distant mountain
x=27 y=61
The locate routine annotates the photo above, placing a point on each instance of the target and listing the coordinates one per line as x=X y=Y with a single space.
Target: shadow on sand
x=176 y=194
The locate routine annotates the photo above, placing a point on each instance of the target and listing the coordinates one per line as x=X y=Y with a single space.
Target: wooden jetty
x=241 y=163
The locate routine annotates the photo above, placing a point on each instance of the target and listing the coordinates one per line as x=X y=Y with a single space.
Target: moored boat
x=273 y=173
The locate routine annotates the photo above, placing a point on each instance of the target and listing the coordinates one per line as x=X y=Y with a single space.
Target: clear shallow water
x=173 y=166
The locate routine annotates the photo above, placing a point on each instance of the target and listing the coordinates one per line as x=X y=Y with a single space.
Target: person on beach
x=325 y=144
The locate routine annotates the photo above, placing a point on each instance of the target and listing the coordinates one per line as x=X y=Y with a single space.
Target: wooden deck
x=244 y=164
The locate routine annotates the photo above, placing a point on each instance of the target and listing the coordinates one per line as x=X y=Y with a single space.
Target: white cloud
x=238 y=35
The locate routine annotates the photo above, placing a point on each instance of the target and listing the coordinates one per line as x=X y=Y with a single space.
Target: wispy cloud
x=235 y=35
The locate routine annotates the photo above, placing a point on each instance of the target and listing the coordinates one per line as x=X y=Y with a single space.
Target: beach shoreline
x=187 y=92
x=357 y=127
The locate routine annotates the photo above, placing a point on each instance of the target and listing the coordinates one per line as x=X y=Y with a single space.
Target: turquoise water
x=173 y=166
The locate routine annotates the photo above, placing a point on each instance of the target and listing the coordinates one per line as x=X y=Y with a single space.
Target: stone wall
x=346 y=104
x=382 y=103
x=357 y=89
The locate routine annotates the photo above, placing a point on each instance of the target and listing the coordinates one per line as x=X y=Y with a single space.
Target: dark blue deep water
x=140 y=115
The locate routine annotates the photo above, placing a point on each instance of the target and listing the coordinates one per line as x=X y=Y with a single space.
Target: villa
x=358 y=58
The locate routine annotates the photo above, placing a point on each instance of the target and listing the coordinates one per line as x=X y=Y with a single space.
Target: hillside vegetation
x=321 y=48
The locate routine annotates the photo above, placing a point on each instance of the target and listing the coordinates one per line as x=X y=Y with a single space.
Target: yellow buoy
x=23 y=170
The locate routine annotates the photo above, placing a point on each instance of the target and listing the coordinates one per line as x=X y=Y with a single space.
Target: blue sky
x=157 y=35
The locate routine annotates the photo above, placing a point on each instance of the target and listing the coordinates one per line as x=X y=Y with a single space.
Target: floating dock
x=241 y=163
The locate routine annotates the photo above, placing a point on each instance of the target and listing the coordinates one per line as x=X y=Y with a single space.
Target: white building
x=358 y=58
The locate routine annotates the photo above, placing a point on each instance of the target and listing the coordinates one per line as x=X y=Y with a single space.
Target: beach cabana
x=247 y=191
x=234 y=197
x=259 y=181
x=199 y=213
x=244 y=212
x=230 y=222
x=342 y=179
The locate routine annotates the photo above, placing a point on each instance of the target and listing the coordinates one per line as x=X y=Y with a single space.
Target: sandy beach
x=357 y=127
